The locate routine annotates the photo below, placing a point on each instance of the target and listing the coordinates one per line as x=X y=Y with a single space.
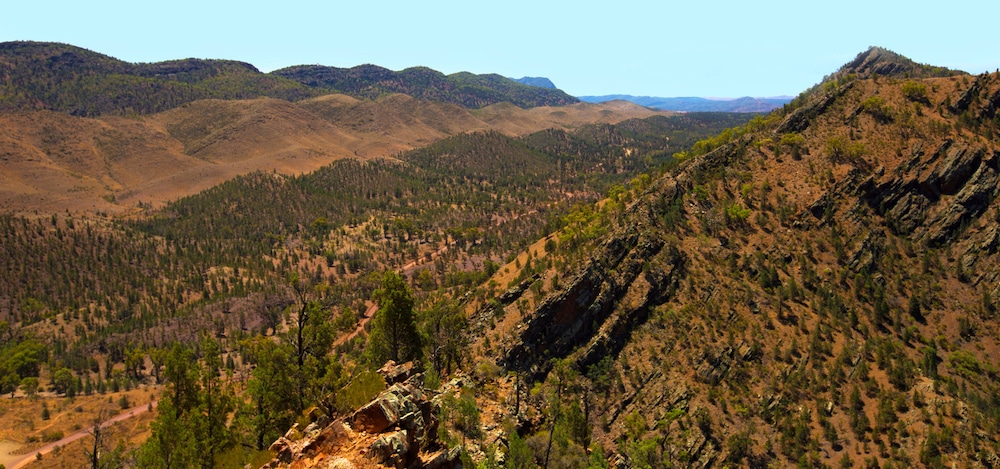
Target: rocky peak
x=884 y=62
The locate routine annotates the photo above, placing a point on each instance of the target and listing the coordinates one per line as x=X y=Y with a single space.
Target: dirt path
x=370 y=312
x=19 y=461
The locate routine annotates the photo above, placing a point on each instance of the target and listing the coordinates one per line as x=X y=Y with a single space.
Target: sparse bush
x=794 y=143
x=916 y=92
x=839 y=150
x=362 y=389
x=876 y=107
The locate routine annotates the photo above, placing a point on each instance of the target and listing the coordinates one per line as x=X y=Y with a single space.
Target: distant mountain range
x=540 y=82
x=745 y=104
x=66 y=78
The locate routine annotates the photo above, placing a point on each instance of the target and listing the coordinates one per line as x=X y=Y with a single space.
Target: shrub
x=362 y=389
x=736 y=214
x=839 y=150
x=916 y=92
x=876 y=107
x=793 y=143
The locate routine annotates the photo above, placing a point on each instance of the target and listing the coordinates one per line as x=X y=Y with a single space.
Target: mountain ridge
x=66 y=78
x=463 y=88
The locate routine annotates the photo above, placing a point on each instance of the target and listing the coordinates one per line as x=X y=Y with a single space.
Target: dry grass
x=53 y=162
x=24 y=430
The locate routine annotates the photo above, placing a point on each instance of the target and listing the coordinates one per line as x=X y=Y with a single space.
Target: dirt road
x=28 y=458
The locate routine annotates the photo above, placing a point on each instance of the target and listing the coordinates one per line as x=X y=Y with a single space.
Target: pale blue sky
x=667 y=48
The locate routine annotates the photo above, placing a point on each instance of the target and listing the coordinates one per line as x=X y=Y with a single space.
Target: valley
x=561 y=284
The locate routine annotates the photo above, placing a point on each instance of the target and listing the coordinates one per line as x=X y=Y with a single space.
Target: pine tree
x=394 y=333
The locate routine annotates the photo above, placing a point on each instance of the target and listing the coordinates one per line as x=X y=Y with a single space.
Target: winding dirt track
x=28 y=458
x=370 y=312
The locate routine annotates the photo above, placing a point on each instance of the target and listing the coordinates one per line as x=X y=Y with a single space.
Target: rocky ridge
x=877 y=233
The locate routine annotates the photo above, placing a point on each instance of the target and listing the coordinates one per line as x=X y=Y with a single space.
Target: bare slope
x=52 y=161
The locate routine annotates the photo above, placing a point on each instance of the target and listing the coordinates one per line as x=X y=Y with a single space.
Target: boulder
x=444 y=459
x=395 y=449
x=393 y=373
x=282 y=449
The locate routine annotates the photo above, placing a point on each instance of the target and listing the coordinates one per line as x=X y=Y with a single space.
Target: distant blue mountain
x=540 y=82
x=745 y=104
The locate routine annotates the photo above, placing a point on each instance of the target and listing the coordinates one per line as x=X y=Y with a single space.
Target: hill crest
x=66 y=78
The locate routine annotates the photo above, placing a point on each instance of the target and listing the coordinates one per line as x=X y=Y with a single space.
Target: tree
x=30 y=386
x=519 y=455
x=311 y=335
x=192 y=425
x=394 y=333
x=215 y=403
x=181 y=372
x=172 y=444
x=62 y=379
x=444 y=327
x=9 y=382
x=101 y=455
x=271 y=389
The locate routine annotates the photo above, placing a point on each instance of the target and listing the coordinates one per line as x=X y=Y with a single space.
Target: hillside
x=87 y=299
x=463 y=88
x=822 y=283
x=53 y=161
x=814 y=287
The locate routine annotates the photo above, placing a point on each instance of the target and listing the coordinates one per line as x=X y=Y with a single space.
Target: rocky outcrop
x=878 y=61
x=800 y=118
x=591 y=311
x=933 y=205
x=405 y=414
x=396 y=429
x=393 y=373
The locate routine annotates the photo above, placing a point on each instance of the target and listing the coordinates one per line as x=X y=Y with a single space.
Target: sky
x=710 y=48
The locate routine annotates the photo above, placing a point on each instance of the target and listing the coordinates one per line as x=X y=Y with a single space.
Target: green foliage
x=394 y=335
x=468 y=414
x=840 y=150
x=443 y=328
x=701 y=147
x=361 y=390
x=194 y=417
x=29 y=386
x=737 y=214
x=740 y=447
x=519 y=455
x=464 y=89
x=793 y=143
x=916 y=92
x=172 y=443
x=877 y=108
x=70 y=79
x=966 y=364
x=271 y=390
